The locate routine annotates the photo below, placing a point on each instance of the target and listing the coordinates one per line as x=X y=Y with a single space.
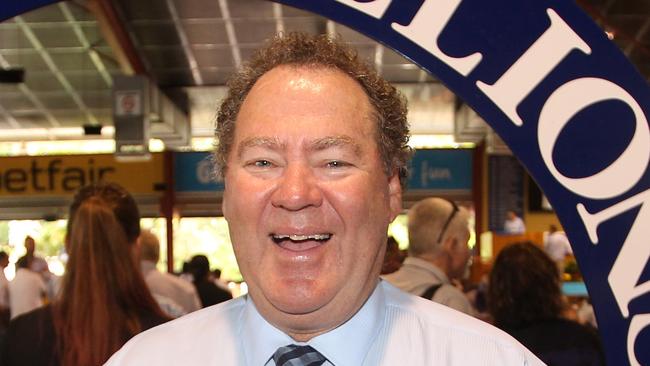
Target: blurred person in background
x=4 y=295
x=220 y=282
x=393 y=258
x=27 y=291
x=209 y=293
x=557 y=247
x=185 y=273
x=438 y=232
x=164 y=284
x=4 y=290
x=38 y=264
x=525 y=300
x=514 y=224
x=104 y=300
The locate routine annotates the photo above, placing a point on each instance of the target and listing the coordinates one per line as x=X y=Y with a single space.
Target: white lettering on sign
x=425 y=28
x=375 y=9
x=636 y=325
x=634 y=254
x=205 y=173
x=631 y=261
x=433 y=174
x=533 y=66
x=558 y=110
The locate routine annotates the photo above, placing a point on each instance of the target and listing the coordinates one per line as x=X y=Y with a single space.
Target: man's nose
x=297 y=188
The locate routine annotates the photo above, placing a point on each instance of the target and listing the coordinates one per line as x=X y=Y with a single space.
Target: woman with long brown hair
x=525 y=300
x=104 y=300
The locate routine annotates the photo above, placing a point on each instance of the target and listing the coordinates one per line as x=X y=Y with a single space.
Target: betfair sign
x=572 y=109
x=61 y=175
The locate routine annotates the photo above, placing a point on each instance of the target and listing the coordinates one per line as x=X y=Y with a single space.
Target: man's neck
x=437 y=260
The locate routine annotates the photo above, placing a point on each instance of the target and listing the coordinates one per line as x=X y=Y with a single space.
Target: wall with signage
x=193 y=172
x=441 y=170
x=35 y=176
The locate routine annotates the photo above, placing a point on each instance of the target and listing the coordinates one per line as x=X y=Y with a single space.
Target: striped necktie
x=293 y=355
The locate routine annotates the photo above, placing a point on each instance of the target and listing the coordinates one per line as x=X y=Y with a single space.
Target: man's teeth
x=295 y=237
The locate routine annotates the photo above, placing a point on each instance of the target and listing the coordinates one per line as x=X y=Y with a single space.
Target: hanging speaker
x=12 y=75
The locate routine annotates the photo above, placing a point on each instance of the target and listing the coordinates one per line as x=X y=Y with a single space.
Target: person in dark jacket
x=525 y=300
x=209 y=292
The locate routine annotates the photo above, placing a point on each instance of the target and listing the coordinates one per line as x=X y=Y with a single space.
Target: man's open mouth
x=300 y=238
x=300 y=242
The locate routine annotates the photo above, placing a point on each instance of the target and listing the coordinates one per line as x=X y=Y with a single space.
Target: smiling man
x=312 y=147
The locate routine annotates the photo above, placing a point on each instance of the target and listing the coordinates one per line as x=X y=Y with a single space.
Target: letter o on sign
x=563 y=104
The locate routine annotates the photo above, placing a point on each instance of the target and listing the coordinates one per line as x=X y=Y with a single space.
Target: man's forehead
x=311 y=145
x=305 y=76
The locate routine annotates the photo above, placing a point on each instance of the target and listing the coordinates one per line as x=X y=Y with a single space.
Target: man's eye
x=336 y=164
x=262 y=163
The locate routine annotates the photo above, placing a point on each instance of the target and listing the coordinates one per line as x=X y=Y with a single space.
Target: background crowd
x=112 y=288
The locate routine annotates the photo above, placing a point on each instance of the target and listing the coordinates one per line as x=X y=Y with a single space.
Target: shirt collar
x=428 y=267
x=347 y=344
x=260 y=338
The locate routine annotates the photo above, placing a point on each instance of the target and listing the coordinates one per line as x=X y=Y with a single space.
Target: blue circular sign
x=572 y=109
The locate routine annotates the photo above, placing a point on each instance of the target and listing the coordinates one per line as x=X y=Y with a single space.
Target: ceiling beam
x=117 y=37
x=230 y=32
x=185 y=43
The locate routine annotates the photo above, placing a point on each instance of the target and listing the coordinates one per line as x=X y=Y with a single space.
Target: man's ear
x=224 y=206
x=449 y=243
x=394 y=195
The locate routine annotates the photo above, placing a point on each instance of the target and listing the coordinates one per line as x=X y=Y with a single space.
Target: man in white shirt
x=162 y=284
x=438 y=253
x=38 y=264
x=513 y=224
x=557 y=247
x=27 y=290
x=312 y=147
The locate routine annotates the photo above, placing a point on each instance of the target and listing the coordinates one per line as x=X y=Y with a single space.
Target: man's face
x=307 y=199
x=460 y=254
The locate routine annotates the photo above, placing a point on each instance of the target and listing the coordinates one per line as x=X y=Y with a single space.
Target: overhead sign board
x=193 y=172
x=35 y=176
x=447 y=170
x=128 y=103
x=572 y=109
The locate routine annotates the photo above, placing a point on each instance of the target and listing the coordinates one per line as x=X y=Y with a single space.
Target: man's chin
x=298 y=304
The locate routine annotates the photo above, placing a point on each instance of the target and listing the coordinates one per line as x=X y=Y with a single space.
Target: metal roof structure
x=70 y=50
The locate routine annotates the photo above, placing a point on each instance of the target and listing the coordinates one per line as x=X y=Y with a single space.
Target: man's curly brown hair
x=320 y=51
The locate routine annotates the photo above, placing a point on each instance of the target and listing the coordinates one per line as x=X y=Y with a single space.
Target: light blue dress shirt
x=392 y=328
x=345 y=345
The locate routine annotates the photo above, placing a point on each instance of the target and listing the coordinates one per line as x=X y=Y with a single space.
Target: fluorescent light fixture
x=437 y=142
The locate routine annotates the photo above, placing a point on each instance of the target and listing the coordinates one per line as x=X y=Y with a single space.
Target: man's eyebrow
x=272 y=143
x=335 y=141
x=323 y=143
